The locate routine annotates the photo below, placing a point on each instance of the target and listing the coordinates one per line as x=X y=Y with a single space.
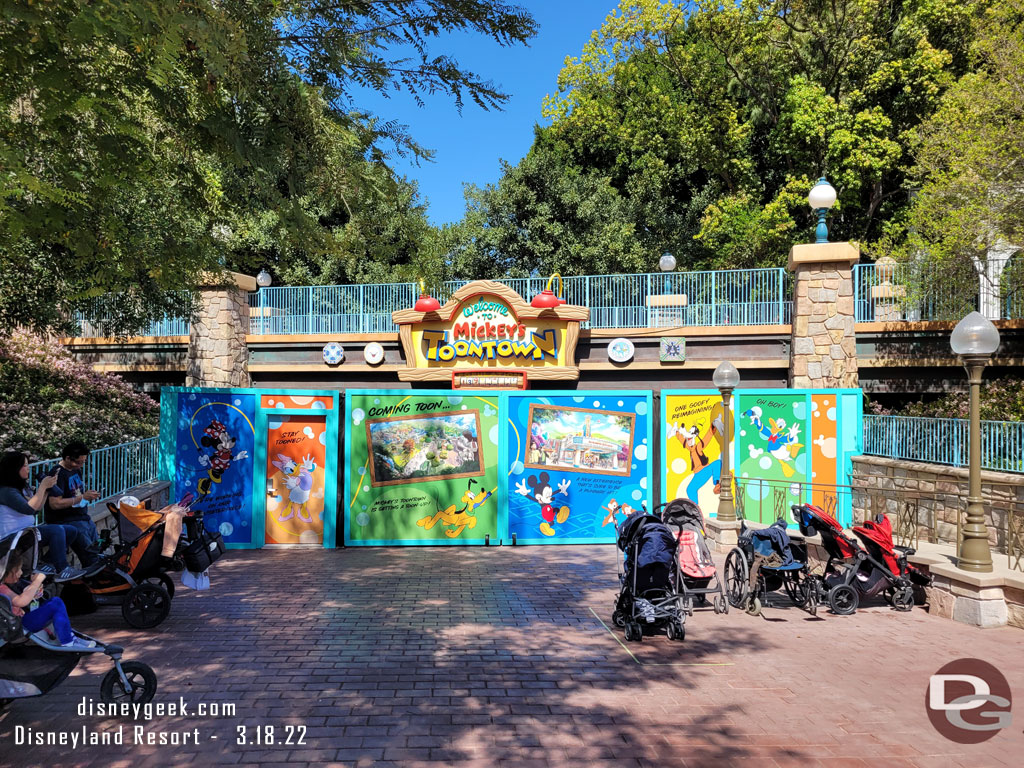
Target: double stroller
x=132 y=576
x=698 y=577
x=853 y=570
x=762 y=562
x=34 y=664
x=649 y=594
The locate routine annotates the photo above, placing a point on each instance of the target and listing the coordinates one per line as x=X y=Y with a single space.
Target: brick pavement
x=500 y=657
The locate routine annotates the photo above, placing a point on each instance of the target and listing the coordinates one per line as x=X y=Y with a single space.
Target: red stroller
x=853 y=571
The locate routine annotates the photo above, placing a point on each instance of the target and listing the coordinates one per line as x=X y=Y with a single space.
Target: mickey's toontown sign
x=487 y=336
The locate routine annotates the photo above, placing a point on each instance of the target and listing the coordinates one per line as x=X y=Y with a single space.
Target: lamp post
x=821 y=198
x=263 y=280
x=726 y=378
x=974 y=340
x=667 y=263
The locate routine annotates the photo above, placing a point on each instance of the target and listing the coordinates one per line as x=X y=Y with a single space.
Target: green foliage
x=1001 y=400
x=970 y=206
x=140 y=140
x=48 y=399
x=699 y=128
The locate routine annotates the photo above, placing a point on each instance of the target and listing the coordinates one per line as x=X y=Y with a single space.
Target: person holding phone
x=69 y=500
x=18 y=507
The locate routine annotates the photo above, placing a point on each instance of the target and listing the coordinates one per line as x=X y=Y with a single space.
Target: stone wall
x=218 y=354
x=824 y=346
x=939 y=493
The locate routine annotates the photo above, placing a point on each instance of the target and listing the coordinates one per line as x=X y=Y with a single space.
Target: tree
x=711 y=121
x=968 y=215
x=137 y=138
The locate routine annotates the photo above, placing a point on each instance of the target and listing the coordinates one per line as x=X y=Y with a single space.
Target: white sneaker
x=79 y=642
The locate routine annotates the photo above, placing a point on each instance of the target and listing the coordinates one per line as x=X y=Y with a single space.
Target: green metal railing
x=114 y=469
x=944 y=441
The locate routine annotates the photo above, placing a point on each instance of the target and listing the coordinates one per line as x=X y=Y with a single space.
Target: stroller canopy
x=682 y=512
x=25 y=542
x=656 y=542
x=878 y=534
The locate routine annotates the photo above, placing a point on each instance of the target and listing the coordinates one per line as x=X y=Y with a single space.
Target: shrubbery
x=48 y=399
x=1001 y=400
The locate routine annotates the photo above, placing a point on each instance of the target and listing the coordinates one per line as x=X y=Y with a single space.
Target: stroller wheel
x=141 y=684
x=843 y=600
x=163 y=580
x=146 y=605
x=618 y=619
x=810 y=594
x=634 y=632
x=721 y=605
x=903 y=598
x=736 y=575
x=676 y=631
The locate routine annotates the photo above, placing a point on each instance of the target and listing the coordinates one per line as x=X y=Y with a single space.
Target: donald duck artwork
x=782 y=443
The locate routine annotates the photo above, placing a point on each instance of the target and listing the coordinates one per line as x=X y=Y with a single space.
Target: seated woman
x=50 y=612
x=18 y=509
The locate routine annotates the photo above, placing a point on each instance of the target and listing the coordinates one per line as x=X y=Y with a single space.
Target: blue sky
x=469 y=146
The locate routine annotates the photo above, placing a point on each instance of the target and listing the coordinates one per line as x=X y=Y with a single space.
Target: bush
x=47 y=399
x=1001 y=400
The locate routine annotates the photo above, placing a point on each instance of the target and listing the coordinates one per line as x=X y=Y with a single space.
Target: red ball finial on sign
x=547 y=299
x=426 y=302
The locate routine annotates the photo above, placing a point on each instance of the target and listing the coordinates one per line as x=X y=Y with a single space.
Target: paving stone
x=500 y=657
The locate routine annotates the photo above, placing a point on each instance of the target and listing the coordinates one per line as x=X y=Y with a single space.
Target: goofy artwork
x=220 y=442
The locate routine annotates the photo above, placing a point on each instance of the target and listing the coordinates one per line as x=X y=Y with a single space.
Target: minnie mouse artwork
x=539 y=488
x=216 y=436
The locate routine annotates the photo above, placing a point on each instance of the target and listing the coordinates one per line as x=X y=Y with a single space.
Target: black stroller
x=764 y=561
x=648 y=579
x=34 y=664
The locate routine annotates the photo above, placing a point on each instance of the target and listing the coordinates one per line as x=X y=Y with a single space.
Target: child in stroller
x=32 y=663
x=854 y=571
x=698 y=576
x=648 y=579
x=763 y=561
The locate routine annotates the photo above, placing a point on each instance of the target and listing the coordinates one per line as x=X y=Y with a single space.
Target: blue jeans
x=52 y=611
x=57 y=539
x=85 y=545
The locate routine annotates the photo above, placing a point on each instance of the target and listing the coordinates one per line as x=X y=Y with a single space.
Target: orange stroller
x=131 y=576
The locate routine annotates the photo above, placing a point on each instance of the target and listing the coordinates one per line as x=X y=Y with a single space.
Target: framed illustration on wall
x=432 y=446
x=579 y=440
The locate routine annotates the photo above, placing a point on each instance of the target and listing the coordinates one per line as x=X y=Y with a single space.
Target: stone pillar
x=824 y=347
x=218 y=355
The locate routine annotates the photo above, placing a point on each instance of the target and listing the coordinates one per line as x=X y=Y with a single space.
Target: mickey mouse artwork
x=540 y=489
x=216 y=437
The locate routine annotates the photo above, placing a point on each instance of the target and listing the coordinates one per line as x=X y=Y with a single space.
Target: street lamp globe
x=263 y=279
x=822 y=195
x=726 y=376
x=975 y=336
x=667 y=262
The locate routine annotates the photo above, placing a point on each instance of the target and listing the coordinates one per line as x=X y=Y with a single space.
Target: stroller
x=131 y=576
x=696 y=568
x=34 y=664
x=853 y=571
x=763 y=561
x=648 y=579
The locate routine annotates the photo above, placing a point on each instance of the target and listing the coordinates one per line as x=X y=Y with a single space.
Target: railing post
x=780 y=277
x=362 y=308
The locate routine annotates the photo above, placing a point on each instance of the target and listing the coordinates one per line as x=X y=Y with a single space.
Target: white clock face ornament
x=620 y=350
x=333 y=353
x=373 y=353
